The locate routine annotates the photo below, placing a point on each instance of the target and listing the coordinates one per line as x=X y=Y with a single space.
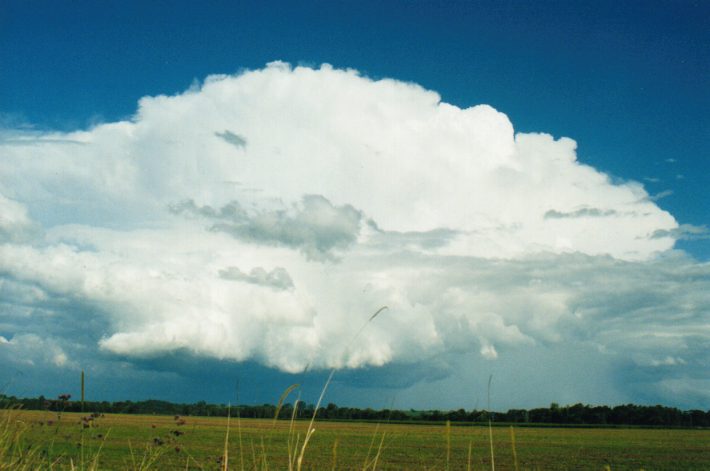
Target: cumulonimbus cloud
x=263 y=216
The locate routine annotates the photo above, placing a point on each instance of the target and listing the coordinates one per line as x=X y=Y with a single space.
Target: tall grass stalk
x=291 y=445
x=239 y=430
x=311 y=429
x=194 y=461
x=512 y=444
x=239 y=434
x=366 y=464
x=94 y=463
x=490 y=426
x=448 y=444
x=253 y=454
x=13 y=453
x=379 y=452
x=150 y=457
x=225 y=456
x=335 y=454
x=279 y=406
x=264 y=461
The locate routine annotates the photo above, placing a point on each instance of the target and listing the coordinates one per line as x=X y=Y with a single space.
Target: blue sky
x=629 y=82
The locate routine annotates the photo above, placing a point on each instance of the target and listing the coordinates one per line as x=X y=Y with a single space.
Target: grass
x=129 y=442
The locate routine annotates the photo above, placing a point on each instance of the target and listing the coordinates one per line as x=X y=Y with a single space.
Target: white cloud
x=15 y=223
x=265 y=216
x=32 y=350
x=389 y=149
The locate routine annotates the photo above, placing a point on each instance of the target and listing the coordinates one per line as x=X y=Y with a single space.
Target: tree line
x=577 y=414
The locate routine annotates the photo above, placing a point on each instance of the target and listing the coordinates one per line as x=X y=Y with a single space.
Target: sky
x=210 y=202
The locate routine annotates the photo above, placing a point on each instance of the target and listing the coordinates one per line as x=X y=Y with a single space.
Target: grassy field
x=159 y=442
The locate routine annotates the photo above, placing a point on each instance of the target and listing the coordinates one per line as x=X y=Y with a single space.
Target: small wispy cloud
x=684 y=232
x=234 y=139
x=580 y=213
x=668 y=361
x=28 y=140
x=278 y=278
x=661 y=195
x=426 y=240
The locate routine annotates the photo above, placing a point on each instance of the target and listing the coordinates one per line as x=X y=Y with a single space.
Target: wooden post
x=82 y=390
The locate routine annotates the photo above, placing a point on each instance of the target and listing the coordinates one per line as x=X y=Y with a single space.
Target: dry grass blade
x=94 y=465
x=490 y=426
x=280 y=404
x=376 y=313
x=195 y=463
x=307 y=438
x=293 y=456
x=335 y=454
x=225 y=455
x=379 y=452
x=448 y=445
x=293 y=446
x=239 y=434
x=150 y=457
x=253 y=455
x=14 y=455
x=264 y=461
x=512 y=444
x=357 y=334
x=311 y=429
x=133 y=455
x=369 y=449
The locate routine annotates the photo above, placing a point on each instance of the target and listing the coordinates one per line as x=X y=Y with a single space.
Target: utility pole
x=82 y=390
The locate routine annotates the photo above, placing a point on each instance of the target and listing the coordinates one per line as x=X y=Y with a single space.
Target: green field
x=124 y=441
